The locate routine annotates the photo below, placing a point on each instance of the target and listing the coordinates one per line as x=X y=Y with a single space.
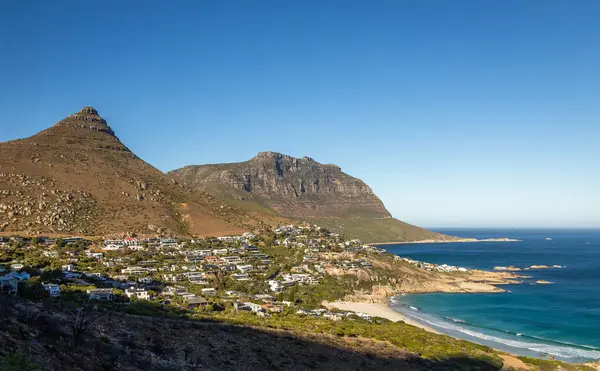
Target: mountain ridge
x=304 y=189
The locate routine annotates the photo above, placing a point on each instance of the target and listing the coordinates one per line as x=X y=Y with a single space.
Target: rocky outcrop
x=302 y=188
x=390 y=277
x=295 y=187
x=88 y=118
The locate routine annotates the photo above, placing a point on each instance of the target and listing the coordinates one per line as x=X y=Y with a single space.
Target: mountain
x=303 y=189
x=78 y=178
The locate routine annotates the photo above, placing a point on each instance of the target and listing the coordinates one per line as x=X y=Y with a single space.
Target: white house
x=53 y=289
x=275 y=286
x=244 y=268
x=141 y=294
x=253 y=307
x=168 y=242
x=111 y=245
x=240 y=276
x=364 y=316
x=68 y=267
x=94 y=255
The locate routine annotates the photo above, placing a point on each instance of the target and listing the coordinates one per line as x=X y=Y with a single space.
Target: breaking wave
x=567 y=351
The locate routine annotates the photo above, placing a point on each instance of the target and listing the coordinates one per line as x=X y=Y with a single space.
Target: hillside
x=42 y=335
x=303 y=189
x=78 y=178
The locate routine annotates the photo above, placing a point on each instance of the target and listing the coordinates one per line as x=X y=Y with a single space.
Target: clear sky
x=457 y=113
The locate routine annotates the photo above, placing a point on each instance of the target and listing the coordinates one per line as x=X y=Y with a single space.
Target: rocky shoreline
x=512 y=268
x=473 y=282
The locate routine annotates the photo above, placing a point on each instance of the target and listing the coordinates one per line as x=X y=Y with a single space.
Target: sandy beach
x=378 y=310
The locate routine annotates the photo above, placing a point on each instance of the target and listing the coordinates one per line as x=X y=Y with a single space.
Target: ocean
x=561 y=320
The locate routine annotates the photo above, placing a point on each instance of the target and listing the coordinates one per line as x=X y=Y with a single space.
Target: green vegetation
x=376 y=230
x=330 y=288
x=550 y=365
x=412 y=339
x=17 y=362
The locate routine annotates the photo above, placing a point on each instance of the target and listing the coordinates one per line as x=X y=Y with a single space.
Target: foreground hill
x=77 y=177
x=301 y=188
x=43 y=336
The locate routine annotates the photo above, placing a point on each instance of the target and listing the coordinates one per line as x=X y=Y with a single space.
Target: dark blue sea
x=560 y=320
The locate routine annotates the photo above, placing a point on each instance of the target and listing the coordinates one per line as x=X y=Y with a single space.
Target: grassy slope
x=378 y=230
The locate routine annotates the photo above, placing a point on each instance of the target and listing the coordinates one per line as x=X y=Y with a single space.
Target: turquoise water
x=561 y=320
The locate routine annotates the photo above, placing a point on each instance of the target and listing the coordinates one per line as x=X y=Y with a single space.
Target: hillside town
x=259 y=274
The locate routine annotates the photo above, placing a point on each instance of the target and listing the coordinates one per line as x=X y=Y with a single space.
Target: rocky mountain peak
x=89 y=110
x=280 y=157
x=87 y=118
x=77 y=177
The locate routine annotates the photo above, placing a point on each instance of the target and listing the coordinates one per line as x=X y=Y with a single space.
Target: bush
x=17 y=362
x=550 y=365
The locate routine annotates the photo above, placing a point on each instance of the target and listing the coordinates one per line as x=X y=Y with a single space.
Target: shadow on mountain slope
x=118 y=341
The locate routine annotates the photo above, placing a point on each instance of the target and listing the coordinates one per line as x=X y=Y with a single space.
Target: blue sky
x=457 y=113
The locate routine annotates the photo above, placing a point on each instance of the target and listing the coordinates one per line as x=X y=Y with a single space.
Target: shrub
x=17 y=362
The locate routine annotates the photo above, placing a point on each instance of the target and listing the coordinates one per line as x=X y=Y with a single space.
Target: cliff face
x=301 y=188
x=294 y=187
x=77 y=177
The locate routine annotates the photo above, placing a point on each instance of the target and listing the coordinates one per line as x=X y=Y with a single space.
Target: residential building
x=209 y=291
x=22 y=276
x=52 y=289
x=211 y=259
x=8 y=285
x=101 y=294
x=275 y=286
x=139 y=293
x=232 y=259
x=244 y=268
x=240 y=276
x=68 y=267
x=168 y=242
x=270 y=307
x=172 y=290
x=195 y=302
x=253 y=307
x=364 y=316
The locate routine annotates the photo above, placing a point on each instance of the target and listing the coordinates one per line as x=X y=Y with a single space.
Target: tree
x=82 y=323
x=292 y=294
x=52 y=275
x=32 y=289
